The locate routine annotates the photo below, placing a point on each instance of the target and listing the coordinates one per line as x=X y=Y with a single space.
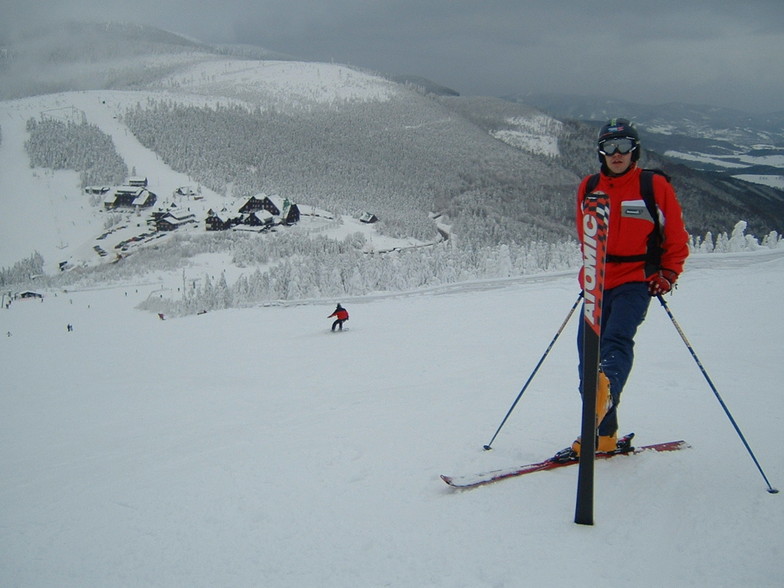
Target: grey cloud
x=711 y=52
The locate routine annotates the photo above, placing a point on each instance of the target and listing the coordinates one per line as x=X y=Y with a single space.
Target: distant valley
x=460 y=187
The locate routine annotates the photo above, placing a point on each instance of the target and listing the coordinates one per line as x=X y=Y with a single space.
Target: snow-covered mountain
x=339 y=142
x=463 y=188
x=251 y=446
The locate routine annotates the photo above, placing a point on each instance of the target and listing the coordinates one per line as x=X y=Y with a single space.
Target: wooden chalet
x=259 y=211
x=259 y=218
x=285 y=209
x=275 y=205
x=130 y=197
x=221 y=221
x=289 y=212
x=257 y=202
x=99 y=190
x=213 y=222
x=170 y=222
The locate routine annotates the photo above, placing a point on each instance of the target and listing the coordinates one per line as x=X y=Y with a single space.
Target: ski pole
x=531 y=377
x=771 y=489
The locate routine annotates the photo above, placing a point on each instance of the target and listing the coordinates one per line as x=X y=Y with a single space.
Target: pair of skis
x=561 y=459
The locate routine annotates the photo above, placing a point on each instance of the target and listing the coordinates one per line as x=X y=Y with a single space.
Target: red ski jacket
x=342 y=314
x=631 y=225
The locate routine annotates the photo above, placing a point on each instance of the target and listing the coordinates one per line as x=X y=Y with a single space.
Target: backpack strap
x=655 y=249
x=593 y=181
x=652 y=257
x=646 y=190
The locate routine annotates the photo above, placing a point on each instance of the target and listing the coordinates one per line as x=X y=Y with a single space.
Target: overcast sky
x=722 y=53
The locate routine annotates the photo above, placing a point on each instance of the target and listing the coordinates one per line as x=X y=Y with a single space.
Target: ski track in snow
x=253 y=447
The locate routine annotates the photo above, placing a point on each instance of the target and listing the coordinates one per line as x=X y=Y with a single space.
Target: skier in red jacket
x=638 y=265
x=341 y=315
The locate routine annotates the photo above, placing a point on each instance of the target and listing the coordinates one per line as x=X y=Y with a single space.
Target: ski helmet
x=619 y=128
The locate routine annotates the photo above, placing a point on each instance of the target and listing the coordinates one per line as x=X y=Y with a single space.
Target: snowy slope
x=47 y=209
x=254 y=448
x=280 y=84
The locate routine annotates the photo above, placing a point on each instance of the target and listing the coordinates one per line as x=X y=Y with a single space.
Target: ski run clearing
x=255 y=448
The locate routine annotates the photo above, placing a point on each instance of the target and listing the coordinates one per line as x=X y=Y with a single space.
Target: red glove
x=661 y=282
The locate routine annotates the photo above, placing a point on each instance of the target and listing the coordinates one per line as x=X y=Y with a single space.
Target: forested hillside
x=78 y=146
x=475 y=187
x=401 y=159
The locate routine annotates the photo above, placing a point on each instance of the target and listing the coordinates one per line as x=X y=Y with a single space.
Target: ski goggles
x=613 y=146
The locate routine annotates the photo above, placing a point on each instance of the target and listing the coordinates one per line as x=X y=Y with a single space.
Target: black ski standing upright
x=595 y=219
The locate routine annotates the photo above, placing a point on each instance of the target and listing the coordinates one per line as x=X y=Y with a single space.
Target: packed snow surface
x=254 y=447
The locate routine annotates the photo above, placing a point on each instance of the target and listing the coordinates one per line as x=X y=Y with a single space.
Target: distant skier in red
x=341 y=316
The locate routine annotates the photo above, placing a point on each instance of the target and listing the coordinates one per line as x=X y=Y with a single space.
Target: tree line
x=78 y=146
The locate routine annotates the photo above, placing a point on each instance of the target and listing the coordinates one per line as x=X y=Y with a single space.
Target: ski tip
x=667 y=446
x=447 y=479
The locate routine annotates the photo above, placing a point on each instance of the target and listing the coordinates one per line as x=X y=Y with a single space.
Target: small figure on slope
x=341 y=316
